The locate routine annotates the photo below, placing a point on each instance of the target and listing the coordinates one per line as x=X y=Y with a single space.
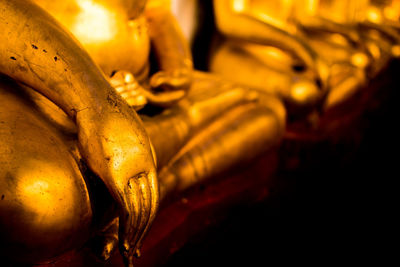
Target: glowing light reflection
x=374 y=15
x=37 y=187
x=303 y=91
x=360 y=60
x=311 y=6
x=94 y=23
x=239 y=5
x=300 y=92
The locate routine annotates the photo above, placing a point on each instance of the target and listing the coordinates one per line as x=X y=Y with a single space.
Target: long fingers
x=154 y=202
x=129 y=220
x=142 y=203
x=145 y=195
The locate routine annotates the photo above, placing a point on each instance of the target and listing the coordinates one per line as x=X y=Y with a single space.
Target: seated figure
x=61 y=119
x=266 y=39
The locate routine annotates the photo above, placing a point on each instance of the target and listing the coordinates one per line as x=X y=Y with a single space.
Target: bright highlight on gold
x=94 y=23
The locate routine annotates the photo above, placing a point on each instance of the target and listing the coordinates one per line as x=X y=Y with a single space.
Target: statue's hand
x=117 y=149
x=322 y=70
x=129 y=88
x=179 y=79
x=168 y=87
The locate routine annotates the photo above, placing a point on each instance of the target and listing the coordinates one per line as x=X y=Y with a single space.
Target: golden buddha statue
x=62 y=111
x=362 y=23
x=268 y=40
x=46 y=200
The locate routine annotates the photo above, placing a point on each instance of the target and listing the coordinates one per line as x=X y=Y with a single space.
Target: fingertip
x=154 y=83
x=138 y=253
x=125 y=247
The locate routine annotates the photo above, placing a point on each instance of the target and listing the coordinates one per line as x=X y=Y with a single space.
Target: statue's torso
x=106 y=30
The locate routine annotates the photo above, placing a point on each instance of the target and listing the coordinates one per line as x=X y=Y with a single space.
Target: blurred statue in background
x=303 y=51
x=71 y=82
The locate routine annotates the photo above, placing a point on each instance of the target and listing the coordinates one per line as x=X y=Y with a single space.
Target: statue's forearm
x=35 y=50
x=322 y=24
x=170 y=46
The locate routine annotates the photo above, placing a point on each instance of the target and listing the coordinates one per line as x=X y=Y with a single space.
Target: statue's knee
x=44 y=209
x=44 y=203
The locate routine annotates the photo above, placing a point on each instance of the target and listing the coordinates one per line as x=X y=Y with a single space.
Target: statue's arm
x=319 y=23
x=170 y=47
x=35 y=50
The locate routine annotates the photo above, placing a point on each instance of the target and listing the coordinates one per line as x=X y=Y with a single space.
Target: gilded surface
x=73 y=74
x=330 y=39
